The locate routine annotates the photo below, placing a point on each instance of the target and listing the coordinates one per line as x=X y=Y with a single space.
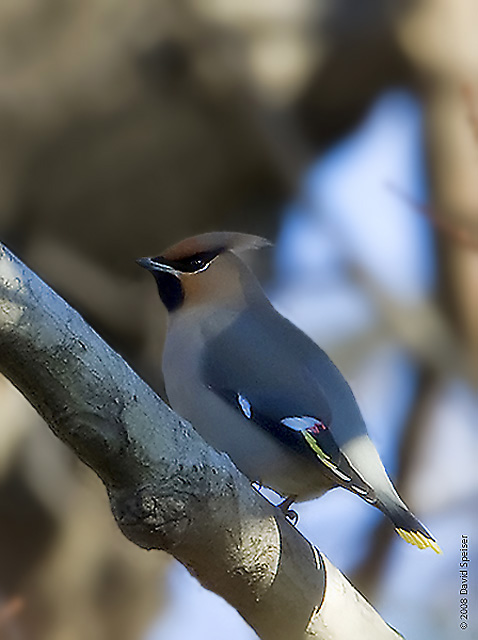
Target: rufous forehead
x=185 y=248
x=211 y=242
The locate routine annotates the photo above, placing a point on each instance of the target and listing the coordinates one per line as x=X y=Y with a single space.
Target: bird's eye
x=196 y=263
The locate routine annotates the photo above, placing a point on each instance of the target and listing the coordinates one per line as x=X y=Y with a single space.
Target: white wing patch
x=362 y=492
x=299 y=423
x=245 y=405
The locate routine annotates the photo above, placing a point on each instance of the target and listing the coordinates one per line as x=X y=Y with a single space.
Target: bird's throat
x=170 y=290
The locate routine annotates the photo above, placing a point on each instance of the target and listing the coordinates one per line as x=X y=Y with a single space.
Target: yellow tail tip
x=419 y=540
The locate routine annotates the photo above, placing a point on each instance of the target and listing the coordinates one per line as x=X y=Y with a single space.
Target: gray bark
x=168 y=489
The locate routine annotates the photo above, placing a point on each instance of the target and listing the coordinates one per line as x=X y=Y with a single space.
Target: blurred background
x=345 y=131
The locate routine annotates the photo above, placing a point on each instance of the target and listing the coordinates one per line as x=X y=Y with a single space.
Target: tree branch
x=168 y=489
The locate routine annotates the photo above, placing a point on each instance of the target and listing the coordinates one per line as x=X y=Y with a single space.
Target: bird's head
x=202 y=269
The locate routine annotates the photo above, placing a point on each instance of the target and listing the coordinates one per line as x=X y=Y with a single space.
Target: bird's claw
x=290 y=514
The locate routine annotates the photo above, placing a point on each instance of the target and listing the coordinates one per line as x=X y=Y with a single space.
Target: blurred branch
x=9 y=611
x=461 y=230
x=418 y=326
x=226 y=50
x=97 y=291
x=367 y=576
x=167 y=488
x=470 y=98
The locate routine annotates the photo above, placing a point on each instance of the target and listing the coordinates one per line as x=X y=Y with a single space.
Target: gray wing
x=265 y=372
x=264 y=365
x=277 y=366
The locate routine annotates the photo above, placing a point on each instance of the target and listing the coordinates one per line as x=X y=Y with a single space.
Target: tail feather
x=408 y=527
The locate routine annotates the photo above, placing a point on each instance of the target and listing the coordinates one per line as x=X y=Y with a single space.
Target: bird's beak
x=153 y=265
x=146 y=263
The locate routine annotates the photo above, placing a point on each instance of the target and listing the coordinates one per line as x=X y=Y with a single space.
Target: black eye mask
x=191 y=264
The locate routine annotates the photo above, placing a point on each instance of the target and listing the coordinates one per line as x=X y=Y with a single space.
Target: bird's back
x=262 y=353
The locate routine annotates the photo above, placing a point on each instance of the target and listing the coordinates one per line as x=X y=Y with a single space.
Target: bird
x=259 y=389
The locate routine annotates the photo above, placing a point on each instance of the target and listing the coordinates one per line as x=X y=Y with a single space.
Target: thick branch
x=168 y=489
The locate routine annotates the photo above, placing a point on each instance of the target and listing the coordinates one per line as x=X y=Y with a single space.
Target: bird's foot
x=290 y=514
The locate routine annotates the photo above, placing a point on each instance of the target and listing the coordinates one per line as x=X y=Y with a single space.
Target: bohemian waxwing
x=256 y=387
